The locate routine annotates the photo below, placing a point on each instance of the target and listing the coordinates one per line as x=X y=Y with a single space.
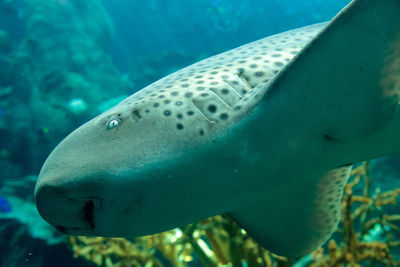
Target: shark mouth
x=66 y=214
x=88 y=211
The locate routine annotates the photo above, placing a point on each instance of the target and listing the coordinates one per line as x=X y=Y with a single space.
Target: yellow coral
x=217 y=241
x=357 y=209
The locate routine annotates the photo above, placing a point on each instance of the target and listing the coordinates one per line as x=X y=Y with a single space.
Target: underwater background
x=62 y=62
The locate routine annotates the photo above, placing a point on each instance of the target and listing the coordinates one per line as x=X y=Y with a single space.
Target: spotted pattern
x=327 y=208
x=391 y=80
x=220 y=90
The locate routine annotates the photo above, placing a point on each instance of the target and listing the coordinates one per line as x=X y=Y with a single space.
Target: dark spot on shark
x=212 y=108
x=259 y=74
x=223 y=116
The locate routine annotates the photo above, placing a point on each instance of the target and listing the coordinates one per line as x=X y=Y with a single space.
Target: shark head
x=164 y=156
x=129 y=170
x=143 y=162
x=266 y=132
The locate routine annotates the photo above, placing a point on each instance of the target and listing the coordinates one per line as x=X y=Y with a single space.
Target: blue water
x=205 y=27
x=64 y=61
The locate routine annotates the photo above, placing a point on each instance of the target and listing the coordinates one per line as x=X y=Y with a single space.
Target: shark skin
x=266 y=132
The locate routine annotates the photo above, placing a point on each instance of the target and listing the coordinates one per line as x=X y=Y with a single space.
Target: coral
x=18 y=248
x=113 y=252
x=77 y=106
x=65 y=53
x=25 y=238
x=360 y=214
x=18 y=193
x=217 y=241
x=53 y=79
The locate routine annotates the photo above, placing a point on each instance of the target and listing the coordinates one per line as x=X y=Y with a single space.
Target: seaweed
x=219 y=241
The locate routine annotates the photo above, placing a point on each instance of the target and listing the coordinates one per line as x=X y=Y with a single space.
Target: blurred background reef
x=62 y=62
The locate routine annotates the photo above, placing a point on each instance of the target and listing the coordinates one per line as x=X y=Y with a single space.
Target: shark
x=266 y=133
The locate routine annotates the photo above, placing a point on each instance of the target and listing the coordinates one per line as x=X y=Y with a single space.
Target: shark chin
x=266 y=132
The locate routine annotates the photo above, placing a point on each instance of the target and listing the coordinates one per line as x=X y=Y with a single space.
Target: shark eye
x=113 y=123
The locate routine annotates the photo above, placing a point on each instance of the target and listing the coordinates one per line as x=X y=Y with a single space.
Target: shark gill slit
x=215 y=92
x=244 y=79
x=198 y=107
x=239 y=84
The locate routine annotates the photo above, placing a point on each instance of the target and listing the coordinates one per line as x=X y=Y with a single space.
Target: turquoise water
x=64 y=61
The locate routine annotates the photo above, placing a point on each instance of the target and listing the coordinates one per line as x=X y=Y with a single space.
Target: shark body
x=266 y=132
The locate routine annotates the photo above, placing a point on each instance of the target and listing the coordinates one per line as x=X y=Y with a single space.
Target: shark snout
x=60 y=207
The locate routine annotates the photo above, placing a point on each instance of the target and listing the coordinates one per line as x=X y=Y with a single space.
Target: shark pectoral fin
x=301 y=222
x=349 y=74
